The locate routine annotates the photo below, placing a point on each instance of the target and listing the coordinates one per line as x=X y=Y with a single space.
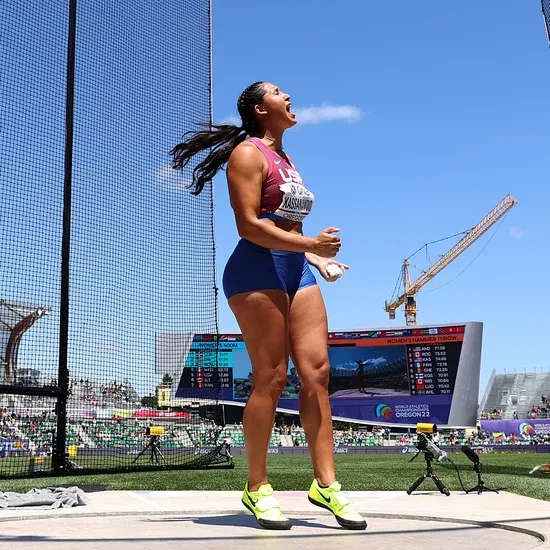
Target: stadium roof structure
x=15 y=319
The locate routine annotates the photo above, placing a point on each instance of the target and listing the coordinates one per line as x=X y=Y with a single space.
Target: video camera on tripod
x=425 y=443
x=431 y=451
x=153 y=432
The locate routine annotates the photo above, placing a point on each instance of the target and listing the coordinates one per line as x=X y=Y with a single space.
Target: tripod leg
x=477 y=489
x=481 y=488
x=416 y=484
x=440 y=486
x=156 y=452
x=140 y=454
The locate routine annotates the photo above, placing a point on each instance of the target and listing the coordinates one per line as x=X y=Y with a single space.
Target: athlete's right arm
x=245 y=173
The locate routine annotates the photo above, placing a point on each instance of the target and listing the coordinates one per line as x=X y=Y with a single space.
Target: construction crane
x=472 y=235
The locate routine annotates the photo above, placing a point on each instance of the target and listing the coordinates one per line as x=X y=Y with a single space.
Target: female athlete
x=272 y=291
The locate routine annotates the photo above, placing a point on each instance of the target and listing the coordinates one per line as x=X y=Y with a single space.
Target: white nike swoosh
x=277 y=161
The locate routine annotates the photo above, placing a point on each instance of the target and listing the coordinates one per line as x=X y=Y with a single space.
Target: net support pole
x=545 y=4
x=59 y=461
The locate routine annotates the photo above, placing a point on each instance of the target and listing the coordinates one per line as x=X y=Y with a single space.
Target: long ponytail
x=221 y=139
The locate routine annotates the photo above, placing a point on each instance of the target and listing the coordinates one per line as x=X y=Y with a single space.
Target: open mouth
x=288 y=109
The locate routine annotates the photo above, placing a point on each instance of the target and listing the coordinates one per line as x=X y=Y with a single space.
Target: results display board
x=385 y=376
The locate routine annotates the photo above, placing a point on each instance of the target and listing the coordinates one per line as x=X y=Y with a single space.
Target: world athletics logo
x=526 y=429
x=383 y=410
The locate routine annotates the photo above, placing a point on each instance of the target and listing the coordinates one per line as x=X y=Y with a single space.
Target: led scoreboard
x=207 y=377
x=397 y=376
x=208 y=365
x=432 y=369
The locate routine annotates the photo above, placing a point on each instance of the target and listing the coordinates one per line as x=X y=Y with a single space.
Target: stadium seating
x=131 y=434
x=511 y=395
x=515 y=394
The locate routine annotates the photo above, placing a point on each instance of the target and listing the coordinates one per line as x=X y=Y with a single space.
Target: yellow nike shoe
x=331 y=498
x=265 y=507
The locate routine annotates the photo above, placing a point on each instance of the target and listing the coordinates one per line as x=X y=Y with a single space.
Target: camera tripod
x=154 y=450
x=481 y=487
x=429 y=474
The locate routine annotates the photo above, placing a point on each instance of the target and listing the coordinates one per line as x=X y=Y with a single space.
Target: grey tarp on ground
x=49 y=497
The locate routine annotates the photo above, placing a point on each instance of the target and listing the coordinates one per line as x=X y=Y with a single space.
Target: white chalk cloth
x=49 y=497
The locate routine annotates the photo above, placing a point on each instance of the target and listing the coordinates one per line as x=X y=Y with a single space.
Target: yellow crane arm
x=471 y=236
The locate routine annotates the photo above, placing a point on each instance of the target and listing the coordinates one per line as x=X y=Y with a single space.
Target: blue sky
x=443 y=111
x=415 y=120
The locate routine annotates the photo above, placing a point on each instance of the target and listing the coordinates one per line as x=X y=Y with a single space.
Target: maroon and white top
x=284 y=196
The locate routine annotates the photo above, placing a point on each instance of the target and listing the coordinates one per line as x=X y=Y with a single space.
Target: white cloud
x=170 y=179
x=328 y=113
x=231 y=119
x=516 y=232
x=314 y=115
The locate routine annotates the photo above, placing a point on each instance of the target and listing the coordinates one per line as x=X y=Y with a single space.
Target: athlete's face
x=275 y=108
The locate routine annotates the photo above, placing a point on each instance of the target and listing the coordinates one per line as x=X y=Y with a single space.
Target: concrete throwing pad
x=214 y=519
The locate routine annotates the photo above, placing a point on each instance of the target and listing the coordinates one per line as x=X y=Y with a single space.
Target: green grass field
x=355 y=472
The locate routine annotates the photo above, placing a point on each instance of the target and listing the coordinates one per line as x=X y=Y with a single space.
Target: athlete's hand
x=322 y=267
x=326 y=244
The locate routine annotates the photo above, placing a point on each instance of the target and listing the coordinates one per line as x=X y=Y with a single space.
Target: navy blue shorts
x=252 y=267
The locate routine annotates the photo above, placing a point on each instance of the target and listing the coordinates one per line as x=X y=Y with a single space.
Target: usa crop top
x=284 y=196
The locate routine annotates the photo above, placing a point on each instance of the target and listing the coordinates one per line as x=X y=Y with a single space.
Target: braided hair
x=220 y=138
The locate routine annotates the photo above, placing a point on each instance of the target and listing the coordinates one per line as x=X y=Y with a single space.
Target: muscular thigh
x=263 y=320
x=308 y=331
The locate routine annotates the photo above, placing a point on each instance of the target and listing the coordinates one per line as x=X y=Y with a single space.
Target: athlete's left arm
x=321 y=264
x=313 y=259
